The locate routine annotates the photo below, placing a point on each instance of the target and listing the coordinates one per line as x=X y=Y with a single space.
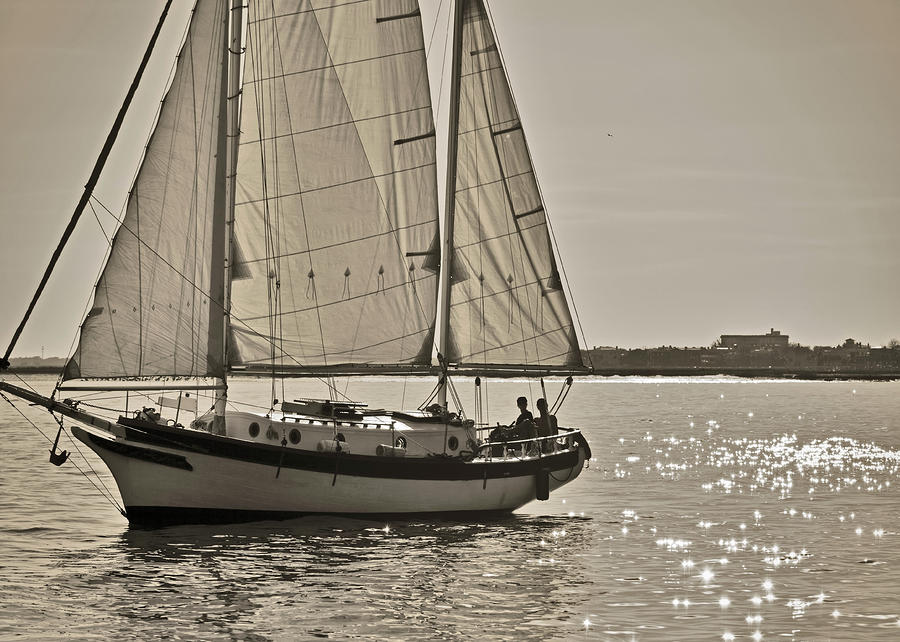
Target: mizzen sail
x=151 y=310
x=507 y=305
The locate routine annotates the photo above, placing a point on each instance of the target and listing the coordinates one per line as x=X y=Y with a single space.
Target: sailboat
x=284 y=223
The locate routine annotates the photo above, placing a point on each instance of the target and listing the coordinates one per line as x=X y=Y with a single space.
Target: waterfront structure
x=773 y=339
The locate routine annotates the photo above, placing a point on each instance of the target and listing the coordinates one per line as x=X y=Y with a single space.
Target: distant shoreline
x=800 y=374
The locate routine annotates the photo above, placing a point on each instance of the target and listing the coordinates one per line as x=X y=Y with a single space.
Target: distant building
x=774 y=339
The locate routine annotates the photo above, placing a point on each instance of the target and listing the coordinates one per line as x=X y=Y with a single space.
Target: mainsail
x=507 y=305
x=151 y=309
x=336 y=223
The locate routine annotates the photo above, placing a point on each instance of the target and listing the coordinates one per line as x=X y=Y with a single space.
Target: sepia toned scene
x=450 y=319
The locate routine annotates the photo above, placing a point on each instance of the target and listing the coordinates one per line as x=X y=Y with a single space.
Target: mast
x=89 y=186
x=453 y=132
x=223 y=222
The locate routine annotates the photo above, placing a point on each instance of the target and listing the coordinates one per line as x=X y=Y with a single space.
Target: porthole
x=401 y=442
x=254 y=429
x=294 y=436
x=452 y=442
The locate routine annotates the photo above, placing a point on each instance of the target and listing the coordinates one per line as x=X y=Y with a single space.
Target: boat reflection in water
x=320 y=575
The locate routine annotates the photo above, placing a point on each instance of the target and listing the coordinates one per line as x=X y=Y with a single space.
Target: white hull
x=219 y=488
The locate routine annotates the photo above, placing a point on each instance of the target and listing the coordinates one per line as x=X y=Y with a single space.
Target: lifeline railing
x=527 y=448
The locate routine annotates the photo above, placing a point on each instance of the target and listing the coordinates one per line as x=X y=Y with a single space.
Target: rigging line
x=311 y=190
x=209 y=84
x=194 y=285
x=486 y=32
x=91 y=296
x=193 y=205
x=330 y=246
x=92 y=181
x=384 y=209
x=302 y=11
x=437 y=15
x=447 y=38
x=291 y=133
x=519 y=241
x=98 y=407
x=257 y=62
x=97 y=218
x=278 y=320
x=538 y=185
x=568 y=289
x=346 y=63
x=497 y=237
x=25 y=383
x=344 y=300
x=276 y=46
x=87 y=304
x=87 y=461
x=213 y=87
x=49 y=440
x=350 y=351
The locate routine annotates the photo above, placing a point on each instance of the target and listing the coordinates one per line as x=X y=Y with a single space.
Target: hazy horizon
x=708 y=168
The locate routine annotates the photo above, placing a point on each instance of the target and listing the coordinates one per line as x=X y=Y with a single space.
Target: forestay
x=507 y=302
x=151 y=308
x=336 y=206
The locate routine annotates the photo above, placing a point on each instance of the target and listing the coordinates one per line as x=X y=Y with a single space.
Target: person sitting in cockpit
x=546 y=424
x=523 y=427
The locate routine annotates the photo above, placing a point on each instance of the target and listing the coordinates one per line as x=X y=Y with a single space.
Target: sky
x=709 y=166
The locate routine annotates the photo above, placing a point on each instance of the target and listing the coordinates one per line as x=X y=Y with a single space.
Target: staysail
x=335 y=222
x=507 y=305
x=151 y=310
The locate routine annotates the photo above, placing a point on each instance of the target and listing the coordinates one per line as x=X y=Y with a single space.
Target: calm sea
x=716 y=509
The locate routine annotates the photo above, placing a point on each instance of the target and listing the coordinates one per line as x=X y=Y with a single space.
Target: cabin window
x=254 y=429
x=294 y=436
x=452 y=442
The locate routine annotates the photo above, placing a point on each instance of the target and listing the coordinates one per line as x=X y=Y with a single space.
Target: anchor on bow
x=58 y=458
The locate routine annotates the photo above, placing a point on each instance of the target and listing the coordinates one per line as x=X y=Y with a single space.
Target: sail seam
x=501 y=346
x=480 y=71
x=462 y=359
x=318 y=129
x=513 y=288
x=302 y=11
x=350 y=182
x=340 y=244
x=493 y=182
x=382 y=291
x=356 y=349
x=482 y=240
x=475 y=130
x=332 y=66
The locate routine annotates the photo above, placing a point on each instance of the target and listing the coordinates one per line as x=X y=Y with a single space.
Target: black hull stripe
x=427 y=468
x=156 y=516
x=127 y=450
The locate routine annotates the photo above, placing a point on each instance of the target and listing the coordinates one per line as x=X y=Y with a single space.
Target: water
x=715 y=509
